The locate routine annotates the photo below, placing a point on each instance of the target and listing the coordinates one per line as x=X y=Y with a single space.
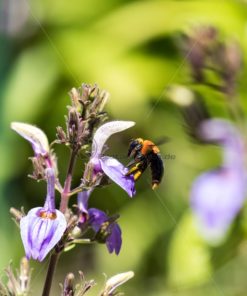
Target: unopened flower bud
x=61 y=135
x=233 y=58
x=75 y=98
x=180 y=95
x=104 y=96
x=24 y=274
x=73 y=121
x=68 y=288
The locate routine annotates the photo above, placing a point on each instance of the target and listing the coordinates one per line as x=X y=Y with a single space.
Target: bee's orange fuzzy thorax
x=149 y=146
x=156 y=149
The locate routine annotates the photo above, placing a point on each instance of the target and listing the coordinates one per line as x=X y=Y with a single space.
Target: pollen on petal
x=47 y=215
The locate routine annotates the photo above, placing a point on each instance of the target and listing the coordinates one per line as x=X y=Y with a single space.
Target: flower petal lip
x=39 y=235
x=114 y=240
x=34 y=135
x=116 y=171
x=105 y=131
x=97 y=217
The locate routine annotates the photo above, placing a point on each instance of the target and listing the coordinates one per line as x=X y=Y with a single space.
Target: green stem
x=75 y=191
x=67 y=184
x=50 y=273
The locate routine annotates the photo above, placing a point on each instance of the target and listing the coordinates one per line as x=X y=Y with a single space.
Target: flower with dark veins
x=106 y=228
x=43 y=227
x=218 y=195
x=109 y=165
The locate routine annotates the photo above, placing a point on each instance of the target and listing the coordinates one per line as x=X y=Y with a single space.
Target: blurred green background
x=130 y=49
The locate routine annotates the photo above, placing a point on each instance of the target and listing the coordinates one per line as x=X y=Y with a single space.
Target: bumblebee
x=145 y=153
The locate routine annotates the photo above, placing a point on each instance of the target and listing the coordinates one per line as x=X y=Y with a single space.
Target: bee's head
x=135 y=146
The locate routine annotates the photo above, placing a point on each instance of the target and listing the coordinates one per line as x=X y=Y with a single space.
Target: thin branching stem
x=67 y=184
x=50 y=273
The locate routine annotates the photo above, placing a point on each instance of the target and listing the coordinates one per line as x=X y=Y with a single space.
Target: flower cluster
x=205 y=51
x=105 y=228
x=46 y=228
x=217 y=195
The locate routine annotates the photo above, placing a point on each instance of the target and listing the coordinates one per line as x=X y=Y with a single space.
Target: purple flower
x=42 y=228
x=218 y=195
x=106 y=229
x=109 y=165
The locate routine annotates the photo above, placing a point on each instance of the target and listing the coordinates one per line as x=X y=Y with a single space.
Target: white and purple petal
x=35 y=136
x=117 y=173
x=104 y=132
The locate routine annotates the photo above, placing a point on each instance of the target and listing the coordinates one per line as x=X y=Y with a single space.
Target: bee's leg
x=136 y=171
x=132 y=170
x=137 y=174
x=155 y=184
x=131 y=163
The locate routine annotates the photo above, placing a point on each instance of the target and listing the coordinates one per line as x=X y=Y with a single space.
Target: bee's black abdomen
x=157 y=168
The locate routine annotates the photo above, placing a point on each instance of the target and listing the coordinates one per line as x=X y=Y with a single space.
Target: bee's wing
x=162 y=140
x=132 y=162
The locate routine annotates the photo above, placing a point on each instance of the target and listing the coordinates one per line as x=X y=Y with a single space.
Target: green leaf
x=189 y=256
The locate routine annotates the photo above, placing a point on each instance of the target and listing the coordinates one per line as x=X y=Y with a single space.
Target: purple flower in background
x=109 y=165
x=218 y=195
x=43 y=227
x=106 y=229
